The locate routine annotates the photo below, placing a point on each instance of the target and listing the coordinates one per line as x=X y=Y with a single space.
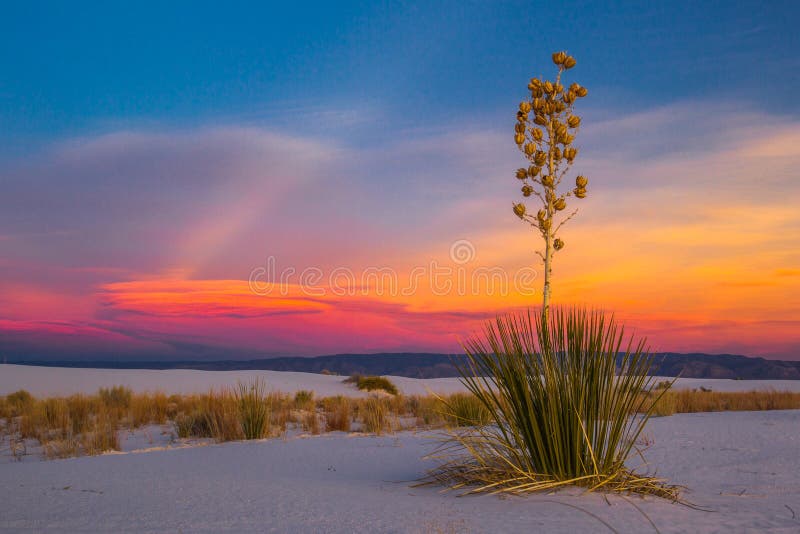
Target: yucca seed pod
x=545 y=224
x=521 y=173
x=533 y=171
x=525 y=107
x=537 y=93
x=519 y=138
x=526 y=190
x=569 y=97
x=538 y=104
x=540 y=120
x=540 y=159
x=557 y=153
x=558 y=87
x=559 y=107
x=519 y=128
x=530 y=148
x=548 y=87
x=537 y=134
x=574 y=121
x=521 y=117
x=558 y=244
x=519 y=210
x=581 y=182
x=569 y=62
x=580 y=192
x=541 y=215
x=566 y=139
x=559 y=57
x=574 y=86
x=560 y=204
x=548 y=180
x=582 y=92
x=535 y=82
x=569 y=154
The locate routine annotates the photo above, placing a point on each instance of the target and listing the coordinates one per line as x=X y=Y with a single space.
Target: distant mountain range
x=423 y=365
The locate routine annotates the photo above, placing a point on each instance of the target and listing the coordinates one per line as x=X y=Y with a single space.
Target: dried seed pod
x=558 y=244
x=558 y=87
x=574 y=87
x=574 y=121
x=548 y=180
x=569 y=62
x=567 y=139
x=545 y=225
x=521 y=174
x=540 y=159
x=519 y=210
x=580 y=192
x=530 y=148
x=519 y=138
x=525 y=107
x=569 y=97
x=559 y=107
x=559 y=57
x=526 y=190
x=570 y=153
x=541 y=215
x=519 y=128
x=540 y=120
x=521 y=117
x=557 y=154
x=582 y=92
x=548 y=87
x=560 y=204
x=538 y=104
x=581 y=182
x=533 y=171
x=537 y=134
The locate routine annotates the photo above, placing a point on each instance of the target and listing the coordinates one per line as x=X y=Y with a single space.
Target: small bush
x=373 y=383
x=116 y=398
x=303 y=399
x=19 y=402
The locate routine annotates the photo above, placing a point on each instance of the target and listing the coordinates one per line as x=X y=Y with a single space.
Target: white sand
x=65 y=381
x=743 y=466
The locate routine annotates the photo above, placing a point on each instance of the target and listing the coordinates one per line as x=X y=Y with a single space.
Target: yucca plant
x=562 y=399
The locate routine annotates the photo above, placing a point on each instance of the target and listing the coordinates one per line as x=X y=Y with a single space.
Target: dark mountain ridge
x=429 y=365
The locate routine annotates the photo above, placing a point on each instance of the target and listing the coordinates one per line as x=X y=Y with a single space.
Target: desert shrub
x=19 y=402
x=559 y=414
x=222 y=416
x=148 y=408
x=102 y=434
x=464 y=409
x=338 y=413
x=303 y=399
x=254 y=409
x=117 y=398
x=192 y=425
x=374 y=383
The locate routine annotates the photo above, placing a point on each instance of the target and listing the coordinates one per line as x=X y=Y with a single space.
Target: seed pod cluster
x=544 y=132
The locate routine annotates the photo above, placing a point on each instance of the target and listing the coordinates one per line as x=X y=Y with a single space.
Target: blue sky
x=360 y=69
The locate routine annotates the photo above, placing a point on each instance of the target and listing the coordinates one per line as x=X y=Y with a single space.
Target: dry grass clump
x=375 y=415
x=559 y=414
x=338 y=413
x=372 y=383
x=465 y=409
x=692 y=401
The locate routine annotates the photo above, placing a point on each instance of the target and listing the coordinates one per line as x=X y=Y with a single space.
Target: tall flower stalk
x=545 y=131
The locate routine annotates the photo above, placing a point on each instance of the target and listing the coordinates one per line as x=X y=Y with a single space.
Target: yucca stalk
x=562 y=398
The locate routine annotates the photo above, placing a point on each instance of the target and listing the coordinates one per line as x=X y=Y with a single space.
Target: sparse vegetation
x=85 y=424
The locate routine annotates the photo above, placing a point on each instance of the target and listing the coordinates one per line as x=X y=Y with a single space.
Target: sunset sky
x=158 y=160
